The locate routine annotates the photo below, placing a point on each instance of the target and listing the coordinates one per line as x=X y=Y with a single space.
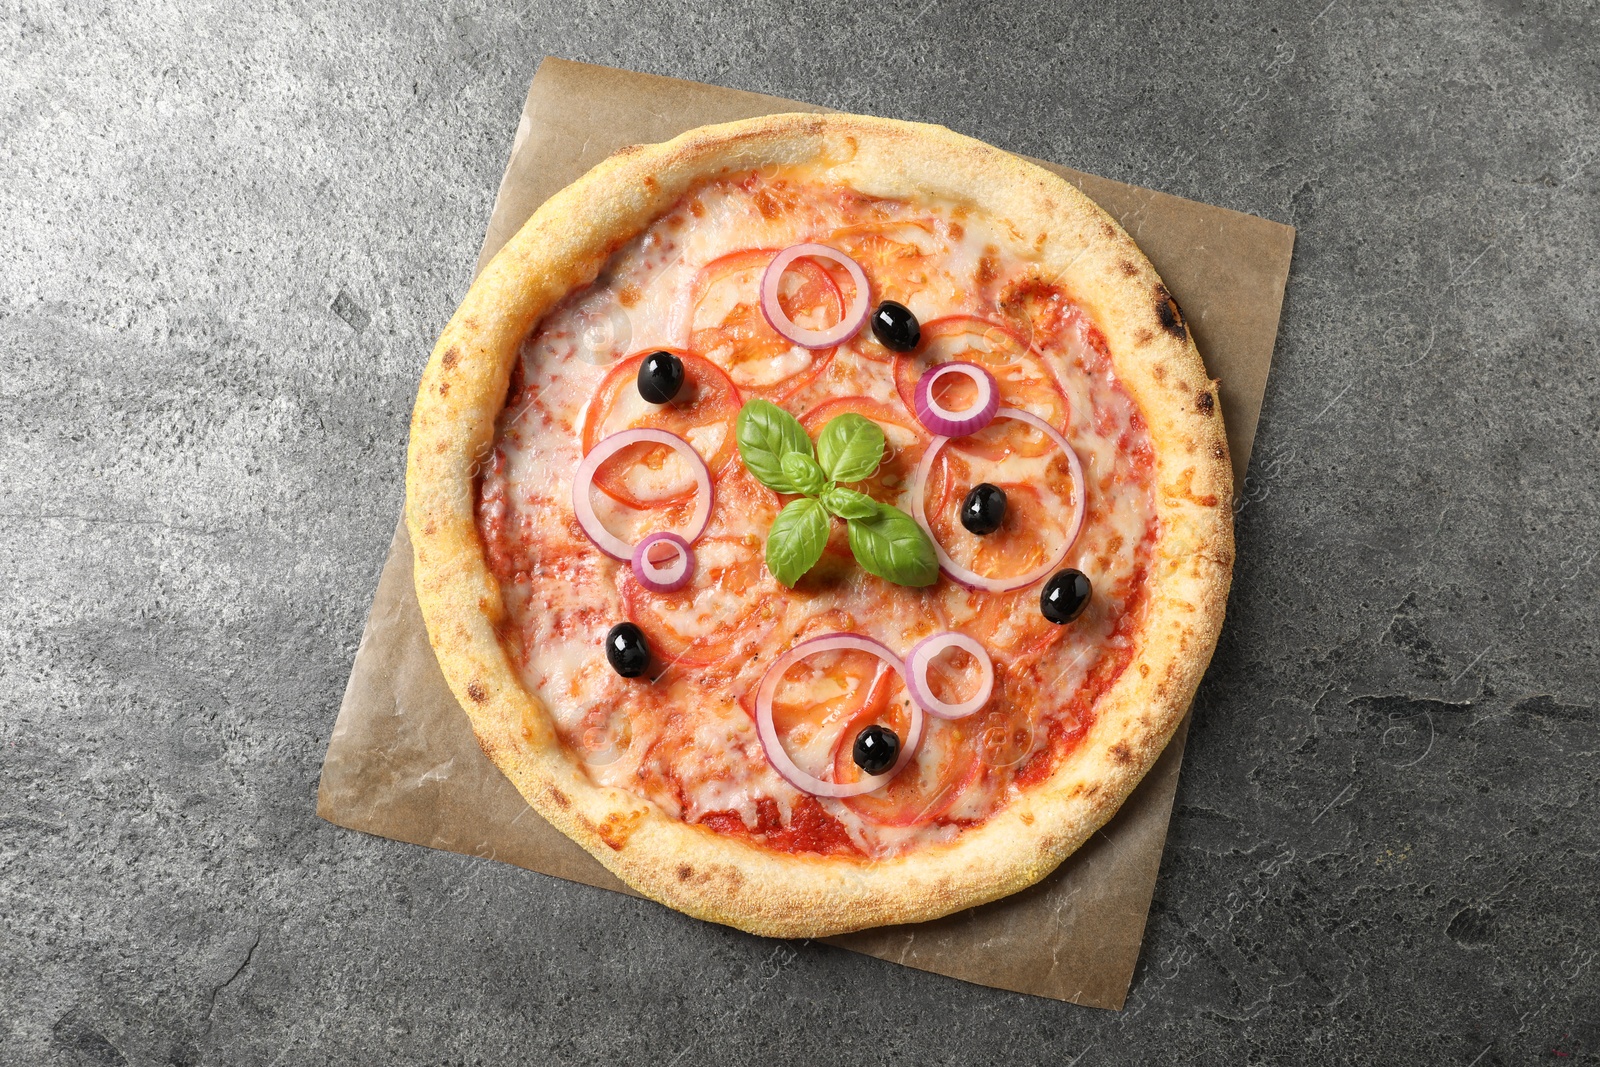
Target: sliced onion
x=972 y=579
x=768 y=733
x=853 y=317
x=675 y=575
x=922 y=654
x=941 y=420
x=604 y=449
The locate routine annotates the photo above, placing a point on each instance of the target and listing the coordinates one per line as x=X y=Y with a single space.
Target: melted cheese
x=687 y=741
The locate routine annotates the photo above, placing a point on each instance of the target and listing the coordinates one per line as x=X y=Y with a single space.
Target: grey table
x=227 y=239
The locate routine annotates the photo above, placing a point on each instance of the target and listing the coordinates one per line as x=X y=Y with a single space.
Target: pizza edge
x=723 y=879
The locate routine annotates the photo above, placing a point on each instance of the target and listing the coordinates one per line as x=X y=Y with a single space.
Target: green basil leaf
x=849 y=504
x=803 y=473
x=891 y=545
x=796 y=540
x=766 y=433
x=850 y=447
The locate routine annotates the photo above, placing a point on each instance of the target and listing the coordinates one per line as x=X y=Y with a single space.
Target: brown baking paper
x=403 y=762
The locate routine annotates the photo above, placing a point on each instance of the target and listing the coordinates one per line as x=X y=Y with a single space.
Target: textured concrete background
x=227 y=239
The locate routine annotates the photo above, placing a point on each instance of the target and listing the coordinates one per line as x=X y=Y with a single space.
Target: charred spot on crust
x=1170 y=314
x=1121 y=753
x=1108 y=229
x=1218 y=452
x=616 y=829
x=559 y=799
x=444 y=388
x=1128 y=267
x=1143 y=337
x=685 y=872
x=477 y=692
x=1205 y=403
x=1183 y=489
x=450 y=356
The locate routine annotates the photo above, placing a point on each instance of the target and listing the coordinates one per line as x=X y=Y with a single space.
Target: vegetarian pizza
x=823 y=520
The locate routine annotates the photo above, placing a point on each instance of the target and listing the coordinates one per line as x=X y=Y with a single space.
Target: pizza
x=823 y=520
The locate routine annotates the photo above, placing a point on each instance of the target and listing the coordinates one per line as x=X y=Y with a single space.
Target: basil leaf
x=849 y=504
x=766 y=433
x=796 y=540
x=803 y=473
x=891 y=545
x=850 y=447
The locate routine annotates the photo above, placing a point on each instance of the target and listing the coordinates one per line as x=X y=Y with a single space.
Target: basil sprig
x=775 y=448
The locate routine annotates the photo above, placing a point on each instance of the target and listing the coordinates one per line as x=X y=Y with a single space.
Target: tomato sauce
x=810 y=829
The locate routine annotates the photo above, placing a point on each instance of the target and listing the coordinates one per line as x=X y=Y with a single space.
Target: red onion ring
x=674 y=575
x=921 y=655
x=768 y=733
x=972 y=579
x=943 y=422
x=604 y=449
x=848 y=324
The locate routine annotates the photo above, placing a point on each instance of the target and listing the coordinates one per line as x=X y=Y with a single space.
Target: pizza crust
x=726 y=879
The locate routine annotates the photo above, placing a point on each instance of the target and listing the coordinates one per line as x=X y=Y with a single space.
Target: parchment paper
x=403 y=763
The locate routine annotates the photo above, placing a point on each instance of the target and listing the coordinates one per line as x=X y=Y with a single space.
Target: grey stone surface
x=229 y=236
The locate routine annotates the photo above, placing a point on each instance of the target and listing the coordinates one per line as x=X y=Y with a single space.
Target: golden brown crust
x=725 y=879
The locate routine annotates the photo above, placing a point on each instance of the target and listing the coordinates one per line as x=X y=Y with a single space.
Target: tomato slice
x=1009 y=624
x=741 y=503
x=703 y=413
x=989 y=745
x=1025 y=381
x=898 y=257
x=1038 y=512
x=904 y=442
x=726 y=610
x=821 y=695
x=1008 y=730
x=727 y=326
x=927 y=787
